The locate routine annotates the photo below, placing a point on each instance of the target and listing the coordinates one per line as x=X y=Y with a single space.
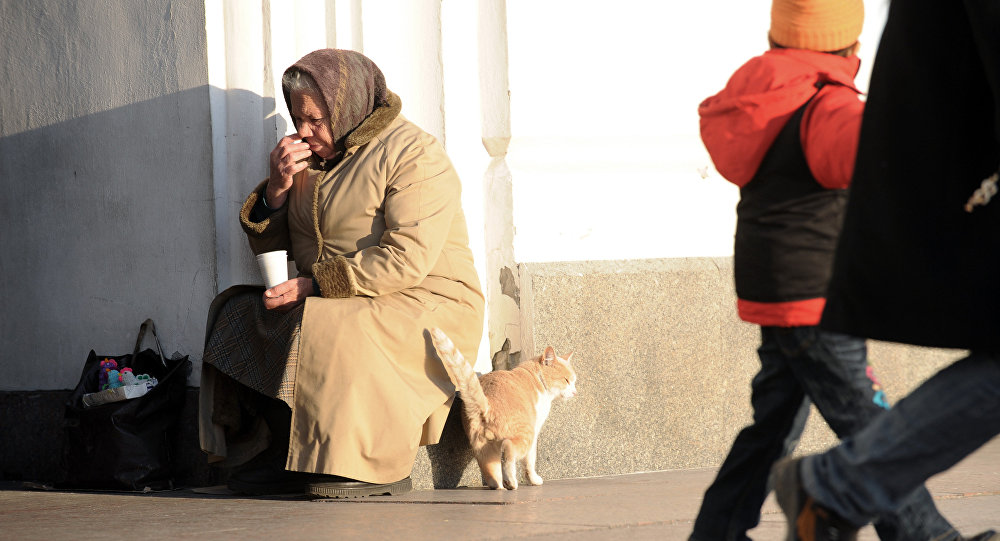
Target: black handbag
x=127 y=444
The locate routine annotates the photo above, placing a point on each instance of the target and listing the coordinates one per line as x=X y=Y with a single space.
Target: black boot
x=265 y=474
x=334 y=486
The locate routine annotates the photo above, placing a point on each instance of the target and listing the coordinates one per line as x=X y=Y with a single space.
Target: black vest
x=787 y=225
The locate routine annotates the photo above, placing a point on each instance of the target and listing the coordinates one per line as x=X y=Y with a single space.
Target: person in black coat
x=918 y=262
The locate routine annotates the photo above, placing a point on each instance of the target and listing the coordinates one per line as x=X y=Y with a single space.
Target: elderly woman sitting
x=326 y=384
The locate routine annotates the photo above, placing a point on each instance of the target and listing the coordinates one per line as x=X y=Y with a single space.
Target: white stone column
x=403 y=37
x=296 y=28
x=462 y=112
x=502 y=284
x=250 y=43
x=349 y=34
x=235 y=34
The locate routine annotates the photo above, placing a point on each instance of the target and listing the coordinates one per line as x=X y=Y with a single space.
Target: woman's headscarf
x=354 y=90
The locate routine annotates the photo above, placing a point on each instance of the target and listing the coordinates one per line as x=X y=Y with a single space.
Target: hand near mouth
x=290 y=156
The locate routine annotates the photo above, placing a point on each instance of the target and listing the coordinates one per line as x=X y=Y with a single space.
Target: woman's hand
x=289 y=157
x=287 y=295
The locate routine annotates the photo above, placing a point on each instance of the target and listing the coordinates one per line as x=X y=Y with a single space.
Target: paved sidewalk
x=657 y=505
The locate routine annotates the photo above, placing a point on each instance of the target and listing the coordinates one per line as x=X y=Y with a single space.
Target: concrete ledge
x=33 y=437
x=664 y=367
x=32 y=445
x=450 y=463
x=664 y=364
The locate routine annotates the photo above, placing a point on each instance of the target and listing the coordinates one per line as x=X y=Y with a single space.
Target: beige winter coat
x=385 y=237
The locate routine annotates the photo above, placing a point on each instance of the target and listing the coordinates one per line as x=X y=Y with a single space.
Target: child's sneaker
x=807 y=520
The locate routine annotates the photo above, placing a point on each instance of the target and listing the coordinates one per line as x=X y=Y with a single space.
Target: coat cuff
x=247 y=213
x=335 y=278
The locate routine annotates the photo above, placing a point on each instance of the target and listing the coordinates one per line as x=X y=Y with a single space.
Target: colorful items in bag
x=128 y=386
x=127 y=377
x=111 y=377
x=107 y=365
x=114 y=380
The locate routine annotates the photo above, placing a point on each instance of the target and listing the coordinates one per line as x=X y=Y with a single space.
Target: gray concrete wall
x=106 y=174
x=664 y=364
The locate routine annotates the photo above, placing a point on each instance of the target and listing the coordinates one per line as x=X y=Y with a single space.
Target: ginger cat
x=504 y=410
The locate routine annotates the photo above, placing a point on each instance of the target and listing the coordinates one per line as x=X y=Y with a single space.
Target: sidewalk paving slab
x=653 y=505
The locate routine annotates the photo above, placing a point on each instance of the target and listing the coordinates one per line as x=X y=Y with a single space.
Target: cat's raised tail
x=462 y=375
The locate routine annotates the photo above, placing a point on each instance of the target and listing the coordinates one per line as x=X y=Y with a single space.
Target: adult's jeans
x=941 y=422
x=832 y=370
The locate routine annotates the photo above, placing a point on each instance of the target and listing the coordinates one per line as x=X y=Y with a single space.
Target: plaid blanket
x=255 y=346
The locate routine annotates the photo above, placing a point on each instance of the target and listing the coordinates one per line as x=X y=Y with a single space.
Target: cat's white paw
x=510 y=484
x=535 y=479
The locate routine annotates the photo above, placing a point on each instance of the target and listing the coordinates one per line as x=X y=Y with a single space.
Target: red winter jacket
x=740 y=123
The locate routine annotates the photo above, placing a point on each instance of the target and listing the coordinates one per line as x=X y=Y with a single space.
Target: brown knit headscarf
x=354 y=90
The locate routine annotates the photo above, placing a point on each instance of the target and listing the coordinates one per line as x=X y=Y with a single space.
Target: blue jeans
x=941 y=422
x=831 y=370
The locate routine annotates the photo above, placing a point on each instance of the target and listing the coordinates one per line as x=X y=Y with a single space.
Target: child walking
x=785 y=130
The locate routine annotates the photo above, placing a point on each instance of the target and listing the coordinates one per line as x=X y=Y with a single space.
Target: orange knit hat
x=817 y=25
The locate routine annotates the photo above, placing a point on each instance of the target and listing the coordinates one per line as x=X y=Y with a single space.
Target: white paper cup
x=273 y=267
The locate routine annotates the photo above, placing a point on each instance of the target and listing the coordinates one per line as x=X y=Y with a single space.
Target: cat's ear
x=569 y=358
x=548 y=356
